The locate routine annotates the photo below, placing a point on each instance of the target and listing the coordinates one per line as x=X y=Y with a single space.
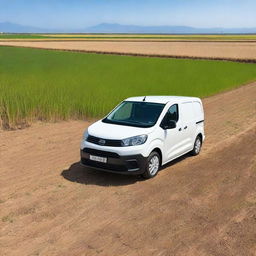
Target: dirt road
x=204 y=205
x=208 y=50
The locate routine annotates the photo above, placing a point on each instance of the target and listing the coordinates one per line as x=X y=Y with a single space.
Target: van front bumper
x=131 y=164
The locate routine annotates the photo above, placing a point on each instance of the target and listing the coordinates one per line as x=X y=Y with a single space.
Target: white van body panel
x=189 y=124
x=112 y=131
x=171 y=143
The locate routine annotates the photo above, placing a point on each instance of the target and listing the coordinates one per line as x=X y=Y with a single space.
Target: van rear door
x=198 y=111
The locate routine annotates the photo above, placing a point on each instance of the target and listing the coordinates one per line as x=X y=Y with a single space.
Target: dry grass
x=216 y=50
x=135 y=37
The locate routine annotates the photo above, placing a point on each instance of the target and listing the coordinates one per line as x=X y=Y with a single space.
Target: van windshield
x=133 y=113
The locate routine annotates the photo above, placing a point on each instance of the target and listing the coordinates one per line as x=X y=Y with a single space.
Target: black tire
x=197 y=146
x=148 y=174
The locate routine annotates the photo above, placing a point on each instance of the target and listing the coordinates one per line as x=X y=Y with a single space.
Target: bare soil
x=204 y=205
x=209 y=50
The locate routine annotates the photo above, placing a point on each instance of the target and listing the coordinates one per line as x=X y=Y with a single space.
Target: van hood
x=116 y=132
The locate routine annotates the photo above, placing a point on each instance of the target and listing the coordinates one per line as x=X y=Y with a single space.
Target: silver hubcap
x=153 y=165
x=197 y=146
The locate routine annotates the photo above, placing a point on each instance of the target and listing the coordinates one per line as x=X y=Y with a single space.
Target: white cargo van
x=143 y=133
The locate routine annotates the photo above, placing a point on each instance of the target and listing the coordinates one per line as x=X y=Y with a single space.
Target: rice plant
x=38 y=84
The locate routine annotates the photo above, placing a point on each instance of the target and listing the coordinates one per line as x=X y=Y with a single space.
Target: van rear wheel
x=197 y=146
x=152 y=165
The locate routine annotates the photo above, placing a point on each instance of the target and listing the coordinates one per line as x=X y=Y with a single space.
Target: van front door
x=173 y=138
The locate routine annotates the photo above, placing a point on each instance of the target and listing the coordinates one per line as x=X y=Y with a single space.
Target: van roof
x=163 y=99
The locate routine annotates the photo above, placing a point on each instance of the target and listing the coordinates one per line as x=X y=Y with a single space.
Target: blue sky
x=84 y=13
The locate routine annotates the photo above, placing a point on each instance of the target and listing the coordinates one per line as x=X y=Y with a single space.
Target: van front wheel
x=152 y=165
x=197 y=146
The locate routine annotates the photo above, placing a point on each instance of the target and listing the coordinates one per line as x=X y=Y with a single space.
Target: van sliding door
x=189 y=126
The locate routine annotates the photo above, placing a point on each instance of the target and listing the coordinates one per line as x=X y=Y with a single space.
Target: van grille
x=106 y=166
x=100 y=153
x=104 y=142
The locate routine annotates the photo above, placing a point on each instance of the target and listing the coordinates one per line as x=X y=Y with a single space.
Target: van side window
x=173 y=113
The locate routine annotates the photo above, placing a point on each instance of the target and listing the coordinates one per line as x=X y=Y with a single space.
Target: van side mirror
x=168 y=124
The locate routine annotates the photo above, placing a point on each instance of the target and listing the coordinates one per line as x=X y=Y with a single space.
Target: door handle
x=185 y=127
x=180 y=129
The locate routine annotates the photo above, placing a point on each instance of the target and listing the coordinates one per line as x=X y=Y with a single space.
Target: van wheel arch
x=200 y=136
x=158 y=150
x=197 y=145
x=153 y=164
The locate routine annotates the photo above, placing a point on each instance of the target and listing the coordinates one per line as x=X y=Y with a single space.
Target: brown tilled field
x=200 y=206
x=210 y=50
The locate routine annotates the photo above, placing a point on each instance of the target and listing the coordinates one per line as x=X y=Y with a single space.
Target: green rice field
x=38 y=84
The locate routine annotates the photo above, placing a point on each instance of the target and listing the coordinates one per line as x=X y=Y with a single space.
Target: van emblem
x=102 y=142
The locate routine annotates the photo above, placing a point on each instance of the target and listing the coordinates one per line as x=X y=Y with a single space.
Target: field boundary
x=139 y=54
x=127 y=40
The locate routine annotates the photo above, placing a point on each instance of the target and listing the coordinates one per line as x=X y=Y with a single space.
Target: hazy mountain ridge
x=117 y=28
x=8 y=27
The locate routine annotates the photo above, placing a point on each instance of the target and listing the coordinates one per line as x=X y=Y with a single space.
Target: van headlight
x=134 y=141
x=85 y=135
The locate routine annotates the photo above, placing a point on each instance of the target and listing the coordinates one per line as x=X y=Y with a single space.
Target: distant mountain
x=8 y=27
x=117 y=28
